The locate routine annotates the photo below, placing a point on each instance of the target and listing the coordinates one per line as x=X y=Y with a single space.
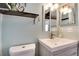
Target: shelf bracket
x=35 y=19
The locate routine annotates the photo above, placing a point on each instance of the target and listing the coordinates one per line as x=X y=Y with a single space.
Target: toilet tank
x=22 y=50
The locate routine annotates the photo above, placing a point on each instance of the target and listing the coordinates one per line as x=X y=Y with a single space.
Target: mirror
x=49 y=17
x=53 y=18
x=61 y=14
x=67 y=14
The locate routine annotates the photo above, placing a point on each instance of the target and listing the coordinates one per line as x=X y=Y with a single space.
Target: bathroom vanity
x=57 y=47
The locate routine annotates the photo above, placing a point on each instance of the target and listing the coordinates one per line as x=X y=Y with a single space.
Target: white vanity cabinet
x=69 y=51
x=61 y=47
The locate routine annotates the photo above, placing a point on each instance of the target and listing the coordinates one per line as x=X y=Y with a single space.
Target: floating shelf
x=16 y=13
x=3 y=5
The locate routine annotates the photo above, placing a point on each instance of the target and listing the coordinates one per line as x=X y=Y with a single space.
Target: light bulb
x=56 y=6
x=52 y=8
x=50 y=4
x=65 y=12
x=69 y=10
x=47 y=6
x=65 y=8
x=61 y=10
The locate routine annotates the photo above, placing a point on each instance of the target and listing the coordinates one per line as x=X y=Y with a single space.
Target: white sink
x=57 y=43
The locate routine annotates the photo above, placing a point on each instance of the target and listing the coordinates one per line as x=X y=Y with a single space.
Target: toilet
x=23 y=50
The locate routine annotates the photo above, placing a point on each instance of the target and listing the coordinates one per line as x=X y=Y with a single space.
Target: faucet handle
x=52 y=35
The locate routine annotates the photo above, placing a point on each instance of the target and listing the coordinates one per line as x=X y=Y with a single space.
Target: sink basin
x=57 y=43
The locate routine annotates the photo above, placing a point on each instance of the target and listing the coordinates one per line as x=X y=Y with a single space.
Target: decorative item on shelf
x=21 y=7
x=16 y=6
x=12 y=6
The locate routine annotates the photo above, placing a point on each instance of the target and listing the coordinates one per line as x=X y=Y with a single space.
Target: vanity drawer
x=70 y=51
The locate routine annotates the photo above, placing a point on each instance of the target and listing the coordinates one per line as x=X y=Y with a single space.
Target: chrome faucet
x=52 y=35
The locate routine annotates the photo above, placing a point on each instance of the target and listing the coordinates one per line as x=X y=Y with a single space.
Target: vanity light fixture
x=65 y=10
x=54 y=7
x=47 y=6
x=51 y=6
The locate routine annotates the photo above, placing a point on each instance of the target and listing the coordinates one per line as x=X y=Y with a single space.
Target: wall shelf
x=16 y=13
x=3 y=5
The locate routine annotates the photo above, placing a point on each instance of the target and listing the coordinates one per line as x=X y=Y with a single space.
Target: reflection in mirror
x=67 y=14
x=49 y=17
x=57 y=15
x=53 y=18
x=47 y=20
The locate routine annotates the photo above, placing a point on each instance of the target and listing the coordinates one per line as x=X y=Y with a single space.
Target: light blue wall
x=0 y=34
x=20 y=30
